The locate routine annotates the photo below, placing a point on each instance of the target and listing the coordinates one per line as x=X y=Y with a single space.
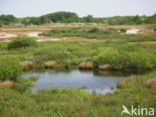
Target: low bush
x=10 y=68
x=3 y=46
x=133 y=61
x=22 y=42
x=126 y=58
x=154 y=29
x=129 y=48
x=94 y=30
x=24 y=84
x=0 y=24
x=105 y=57
x=123 y=30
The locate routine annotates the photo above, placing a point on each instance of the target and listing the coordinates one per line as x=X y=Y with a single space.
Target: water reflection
x=93 y=82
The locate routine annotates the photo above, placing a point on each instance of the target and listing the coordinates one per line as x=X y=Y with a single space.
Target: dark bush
x=94 y=30
x=154 y=29
x=10 y=68
x=122 y=30
x=0 y=24
x=20 y=42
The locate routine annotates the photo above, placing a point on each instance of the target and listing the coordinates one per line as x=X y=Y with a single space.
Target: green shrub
x=21 y=42
x=94 y=30
x=154 y=29
x=133 y=61
x=24 y=84
x=10 y=68
x=123 y=30
x=129 y=48
x=126 y=58
x=104 y=57
x=3 y=46
x=0 y=24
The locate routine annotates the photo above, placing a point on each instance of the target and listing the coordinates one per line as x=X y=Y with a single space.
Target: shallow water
x=93 y=83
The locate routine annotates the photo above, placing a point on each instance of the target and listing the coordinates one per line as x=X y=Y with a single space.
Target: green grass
x=68 y=54
x=110 y=47
x=90 y=33
x=95 y=33
x=20 y=102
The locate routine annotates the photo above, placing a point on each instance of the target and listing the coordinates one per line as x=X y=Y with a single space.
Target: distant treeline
x=69 y=17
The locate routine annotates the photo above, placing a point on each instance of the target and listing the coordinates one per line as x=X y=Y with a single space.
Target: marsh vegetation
x=90 y=48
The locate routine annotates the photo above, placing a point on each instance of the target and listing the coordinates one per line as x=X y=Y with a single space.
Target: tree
x=25 y=22
x=7 y=19
x=154 y=15
x=34 y=20
x=43 y=20
x=89 y=18
x=150 y=20
x=62 y=17
x=137 y=20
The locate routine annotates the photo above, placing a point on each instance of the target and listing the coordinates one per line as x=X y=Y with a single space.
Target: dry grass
x=50 y=64
x=105 y=67
x=151 y=83
x=123 y=82
x=26 y=64
x=9 y=84
x=86 y=65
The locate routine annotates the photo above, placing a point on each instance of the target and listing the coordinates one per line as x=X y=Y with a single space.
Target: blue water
x=99 y=84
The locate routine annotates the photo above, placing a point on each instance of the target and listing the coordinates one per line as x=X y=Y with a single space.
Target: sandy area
x=7 y=35
x=133 y=31
x=41 y=40
x=33 y=34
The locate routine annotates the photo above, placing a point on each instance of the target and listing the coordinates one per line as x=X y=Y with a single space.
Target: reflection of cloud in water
x=75 y=79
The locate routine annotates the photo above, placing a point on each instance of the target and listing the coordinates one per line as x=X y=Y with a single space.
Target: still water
x=90 y=81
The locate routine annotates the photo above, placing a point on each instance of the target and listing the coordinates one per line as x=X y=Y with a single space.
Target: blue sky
x=97 y=8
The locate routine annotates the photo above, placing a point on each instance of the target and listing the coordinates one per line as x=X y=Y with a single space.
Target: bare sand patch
x=5 y=40
x=41 y=40
x=133 y=31
x=33 y=34
x=7 y=35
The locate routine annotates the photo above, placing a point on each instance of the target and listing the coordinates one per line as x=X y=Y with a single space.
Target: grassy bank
x=136 y=90
x=121 y=55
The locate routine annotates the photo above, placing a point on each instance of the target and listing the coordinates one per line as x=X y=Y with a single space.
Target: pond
x=90 y=81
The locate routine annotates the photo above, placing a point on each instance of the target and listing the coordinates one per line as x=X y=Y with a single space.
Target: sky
x=97 y=8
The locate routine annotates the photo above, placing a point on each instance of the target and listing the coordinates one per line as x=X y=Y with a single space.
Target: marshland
x=76 y=67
